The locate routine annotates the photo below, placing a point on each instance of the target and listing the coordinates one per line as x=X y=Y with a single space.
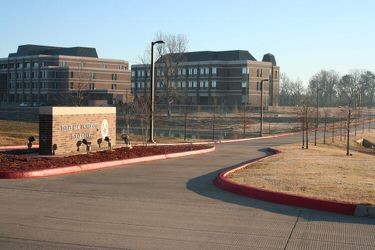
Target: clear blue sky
x=305 y=36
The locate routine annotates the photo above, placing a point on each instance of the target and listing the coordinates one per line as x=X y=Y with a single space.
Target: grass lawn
x=16 y=133
x=322 y=171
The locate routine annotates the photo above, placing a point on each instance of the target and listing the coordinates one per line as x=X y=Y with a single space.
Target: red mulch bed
x=21 y=162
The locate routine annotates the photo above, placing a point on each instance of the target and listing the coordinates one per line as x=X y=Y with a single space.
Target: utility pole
x=317 y=113
x=261 y=106
x=152 y=93
x=347 y=135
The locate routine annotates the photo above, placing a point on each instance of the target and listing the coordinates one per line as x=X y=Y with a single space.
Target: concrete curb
x=6 y=148
x=288 y=199
x=96 y=166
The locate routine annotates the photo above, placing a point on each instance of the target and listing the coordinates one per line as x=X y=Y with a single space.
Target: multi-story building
x=207 y=77
x=37 y=75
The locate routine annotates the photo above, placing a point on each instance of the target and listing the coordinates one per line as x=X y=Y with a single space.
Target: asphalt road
x=168 y=204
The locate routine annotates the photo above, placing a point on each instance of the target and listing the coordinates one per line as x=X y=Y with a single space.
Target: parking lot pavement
x=168 y=204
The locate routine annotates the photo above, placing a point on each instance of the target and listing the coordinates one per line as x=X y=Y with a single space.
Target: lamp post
x=317 y=113
x=152 y=92
x=261 y=106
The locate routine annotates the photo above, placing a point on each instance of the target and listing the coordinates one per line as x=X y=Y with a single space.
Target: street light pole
x=317 y=113
x=152 y=93
x=261 y=106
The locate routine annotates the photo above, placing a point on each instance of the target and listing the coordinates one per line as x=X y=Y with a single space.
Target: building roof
x=31 y=50
x=230 y=55
x=269 y=58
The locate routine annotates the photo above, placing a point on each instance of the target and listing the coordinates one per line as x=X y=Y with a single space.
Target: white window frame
x=213 y=84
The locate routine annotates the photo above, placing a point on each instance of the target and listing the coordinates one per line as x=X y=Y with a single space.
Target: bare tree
x=171 y=57
x=79 y=91
x=292 y=92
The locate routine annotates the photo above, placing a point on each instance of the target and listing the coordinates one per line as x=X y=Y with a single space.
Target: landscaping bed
x=13 y=161
x=322 y=171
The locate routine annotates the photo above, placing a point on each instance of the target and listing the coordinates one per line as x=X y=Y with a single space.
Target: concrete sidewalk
x=168 y=204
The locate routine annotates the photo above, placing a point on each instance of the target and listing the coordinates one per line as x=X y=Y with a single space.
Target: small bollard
x=126 y=139
x=88 y=145
x=99 y=141
x=78 y=144
x=108 y=140
x=31 y=139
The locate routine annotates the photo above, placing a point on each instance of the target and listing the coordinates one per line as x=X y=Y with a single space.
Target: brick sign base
x=62 y=130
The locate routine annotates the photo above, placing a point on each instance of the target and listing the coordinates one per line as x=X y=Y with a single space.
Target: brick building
x=36 y=75
x=207 y=77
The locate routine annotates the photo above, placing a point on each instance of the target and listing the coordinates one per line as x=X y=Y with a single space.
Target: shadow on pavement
x=203 y=185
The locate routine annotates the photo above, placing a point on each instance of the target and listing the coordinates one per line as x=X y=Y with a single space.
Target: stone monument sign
x=69 y=130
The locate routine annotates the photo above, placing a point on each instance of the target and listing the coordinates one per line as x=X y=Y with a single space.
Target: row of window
x=28 y=65
x=53 y=85
x=179 y=84
x=52 y=74
x=34 y=85
x=181 y=71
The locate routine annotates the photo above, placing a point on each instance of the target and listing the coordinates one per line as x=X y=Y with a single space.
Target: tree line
x=356 y=88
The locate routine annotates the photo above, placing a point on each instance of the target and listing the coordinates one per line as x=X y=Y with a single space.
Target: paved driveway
x=168 y=204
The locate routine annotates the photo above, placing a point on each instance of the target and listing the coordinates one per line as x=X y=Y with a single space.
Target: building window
x=261 y=72
x=190 y=71
x=179 y=72
x=71 y=85
x=201 y=84
x=244 y=71
x=158 y=85
x=195 y=71
x=183 y=71
x=195 y=84
x=148 y=73
x=244 y=84
x=207 y=71
x=201 y=71
x=206 y=84
x=63 y=64
x=35 y=64
x=133 y=85
x=257 y=72
x=183 y=84
x=214 y=70
x=114 y=77
x=213 y=84
x=133 y=73
x=19 y=65
x=114 y=86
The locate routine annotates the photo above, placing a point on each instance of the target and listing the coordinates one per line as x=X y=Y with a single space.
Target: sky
x=305 y=36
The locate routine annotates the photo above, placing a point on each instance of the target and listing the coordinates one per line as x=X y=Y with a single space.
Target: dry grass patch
x=323 y=171
x=16 y=133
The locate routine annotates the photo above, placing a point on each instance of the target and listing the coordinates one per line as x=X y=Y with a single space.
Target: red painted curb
x=279 y=197
x=96 y=166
